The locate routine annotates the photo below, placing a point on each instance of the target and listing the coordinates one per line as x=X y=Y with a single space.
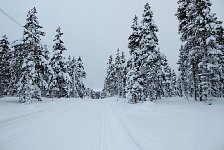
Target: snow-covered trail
x=72 y=124
x=75 y=124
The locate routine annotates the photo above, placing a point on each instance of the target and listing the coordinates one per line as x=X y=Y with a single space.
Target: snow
x=84 y=124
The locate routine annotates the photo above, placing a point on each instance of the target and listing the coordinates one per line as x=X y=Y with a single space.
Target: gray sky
x=94 y=29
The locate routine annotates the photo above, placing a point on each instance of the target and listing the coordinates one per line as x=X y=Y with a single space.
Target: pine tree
x=167 y=77
x=201 y=51
x=150 y=56
x=123 y=74
x=80 y=75
x=118 y=74
x=58 y=85
x=32 y=80
x=71 y=71
x=110 y=80
x=174 y=85
x=183 y=63
x=5 y=66
x=18 y=54
x=134 y=86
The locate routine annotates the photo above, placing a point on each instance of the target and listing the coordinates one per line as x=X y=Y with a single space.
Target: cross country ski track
x=74 y=124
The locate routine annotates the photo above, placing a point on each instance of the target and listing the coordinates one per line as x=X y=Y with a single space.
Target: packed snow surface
x=84 y=124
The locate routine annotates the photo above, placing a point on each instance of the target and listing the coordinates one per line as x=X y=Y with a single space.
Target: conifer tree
x=118 y=74
x=167 y=75
x=5 y=66
x=18 y=54
x=201 y=52
x=134 y=86
x=174 y=85
x=32 y=81
x=80 y=75
x=150 y=56
x=71 y=71
x=110 y=80
x=58 y=85
x=123 y=74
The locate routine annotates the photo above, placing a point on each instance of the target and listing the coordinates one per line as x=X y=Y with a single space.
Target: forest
x=30 y=69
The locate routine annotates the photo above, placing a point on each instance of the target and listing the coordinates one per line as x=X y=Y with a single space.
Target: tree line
x=147 y=75
x=28 y=71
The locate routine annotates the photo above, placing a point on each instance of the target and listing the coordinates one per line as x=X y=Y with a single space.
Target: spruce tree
x=110 y=80
x=201 y=52
x=134 y=87
x=58 y=85
x=174 y=84
x=18 y=54
x=150 y=56
x=32 y=81
x=118 y=74
x=5 y=66
x=80 y=75
x=167 y=77
x=71 y=71
x=123 y=74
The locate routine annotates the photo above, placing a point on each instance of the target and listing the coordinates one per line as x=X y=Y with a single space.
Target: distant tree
x=174 y=84
x=167 y=79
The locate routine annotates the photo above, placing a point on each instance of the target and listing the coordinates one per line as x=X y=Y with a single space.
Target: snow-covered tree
x=166 y=83
x=145 y=74
x=174 y=85
x=150 y=56
x=183 y=63
x=123 y=74
x=118 y=72
x=18 y=54
x=201 y=52
x=58 y=86
x=110 y=80
x=71 y=71
x=134 y=87
x=5 y=66
x=34 y=59
x=80 y=75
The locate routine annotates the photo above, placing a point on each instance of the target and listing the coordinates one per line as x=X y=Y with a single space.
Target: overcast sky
x=94 y=29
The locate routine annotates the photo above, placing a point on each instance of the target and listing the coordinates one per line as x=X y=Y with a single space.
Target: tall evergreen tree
x=174 y=85
x=150 y=56
x=134 y=86
x=118 y=74
x=167 y=77
x=123 y=74
x=71 y=71
x=32 y=80
x=201 y=53
x=5 y=66
x=80 y=75
x=58 y=85
x=18 y=54
x=110 y=80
